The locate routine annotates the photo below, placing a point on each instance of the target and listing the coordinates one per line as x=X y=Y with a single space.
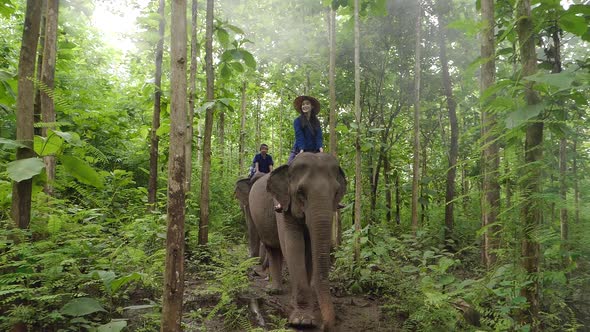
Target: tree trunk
x=332 y=81
x=563 y=215
x=191 y=98
x=357 y=113
x=206 y=169
x=491 y=161
x=221 y=137
x=154 y=139
x=416 y=143
x=48 y=81
x=576 y=184
x=258 y=131
x=242 y=129
x=531 y=183
x=38 y=112
x=387 y=178
x=174 y=273
x=21 y=191
x=452 y=110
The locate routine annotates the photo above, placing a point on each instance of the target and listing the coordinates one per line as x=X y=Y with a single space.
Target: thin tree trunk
x=387 y=178
x=242 y=128
x=154 y=139
x=531 y=183
x=576 y=184
x=332 y=81
x=563 y=215
x=357 y=113
x=221 y=138
x=38 y=112
x=416 y=143
x=258 y=131
x=454 y=143
x=206 y=169
x=336 y=220
x=174 y=273
x=191 y=97
x=21 y=191
x=491 y=161
x=48 y=80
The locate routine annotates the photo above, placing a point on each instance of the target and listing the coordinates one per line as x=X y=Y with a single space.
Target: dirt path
x=353 y=313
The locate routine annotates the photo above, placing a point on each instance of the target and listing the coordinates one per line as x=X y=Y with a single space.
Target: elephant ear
x=342 y=190
x=278 y=186
x=242 y=191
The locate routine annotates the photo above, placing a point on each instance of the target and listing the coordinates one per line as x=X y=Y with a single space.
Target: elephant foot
x=273 y=290
x=302 y=318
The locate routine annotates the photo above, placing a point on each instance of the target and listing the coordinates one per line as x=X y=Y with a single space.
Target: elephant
x=262 y=224
x=309 y=191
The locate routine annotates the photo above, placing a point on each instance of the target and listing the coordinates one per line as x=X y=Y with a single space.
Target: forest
x=450 y=194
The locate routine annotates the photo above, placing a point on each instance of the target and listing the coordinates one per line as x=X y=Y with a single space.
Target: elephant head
x=242 y=191
x=309 y=190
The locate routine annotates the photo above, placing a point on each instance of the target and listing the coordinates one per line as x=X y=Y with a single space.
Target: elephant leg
x=301 y=292
x=275 y=261
x=263 y=256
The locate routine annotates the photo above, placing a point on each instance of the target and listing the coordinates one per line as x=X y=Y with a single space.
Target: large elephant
x=309 y=190
x=262 y=224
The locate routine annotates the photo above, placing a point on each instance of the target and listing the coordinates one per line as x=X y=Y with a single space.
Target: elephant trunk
x=319 y=222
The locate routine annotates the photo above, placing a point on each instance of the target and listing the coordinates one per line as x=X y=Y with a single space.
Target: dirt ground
x=353 y=313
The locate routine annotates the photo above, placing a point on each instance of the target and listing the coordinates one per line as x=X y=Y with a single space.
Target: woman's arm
x=299 y=138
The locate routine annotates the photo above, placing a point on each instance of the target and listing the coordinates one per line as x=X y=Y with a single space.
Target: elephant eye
x=301 y=193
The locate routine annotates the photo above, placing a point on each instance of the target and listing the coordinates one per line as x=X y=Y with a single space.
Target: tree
x=48 y=82
x=21 y=191
x=154 y=139
x=451 y=106
x=174 y=273
x=491 y=161
x=191 y=97
x=206 y=169
x=336 y=225
x=416 y=147
x=242 y=143
x=357 y=113
x=532 y=208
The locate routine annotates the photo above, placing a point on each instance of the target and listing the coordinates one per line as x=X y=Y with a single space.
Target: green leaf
x=561 y=80
x=71 y=138
x=50 y=145
x=119 y=282
x=82 y=171
x=113 y=326
x=205 y=106
x=225 y=71
x=237 y=67
x=11 y=144
x=520 y=116
x=570 y=22
x=248 y=59
x=222 y=35
x=81 y=307
x=24 y=169
x=164 y=129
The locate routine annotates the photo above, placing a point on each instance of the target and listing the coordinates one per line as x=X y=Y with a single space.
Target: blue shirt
x=304 y=138
x=264 y=163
